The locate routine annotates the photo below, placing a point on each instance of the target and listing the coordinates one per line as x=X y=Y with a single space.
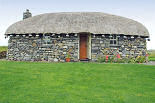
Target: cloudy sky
x=142 y=11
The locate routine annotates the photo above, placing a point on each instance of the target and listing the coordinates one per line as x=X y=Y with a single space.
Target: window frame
x=113 y=39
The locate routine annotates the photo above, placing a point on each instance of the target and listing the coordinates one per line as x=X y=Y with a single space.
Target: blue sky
x=139 y=10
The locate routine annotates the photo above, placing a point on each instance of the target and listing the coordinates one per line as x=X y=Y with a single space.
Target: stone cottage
x=78 y=35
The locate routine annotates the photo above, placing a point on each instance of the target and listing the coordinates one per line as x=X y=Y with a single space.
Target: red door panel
x=83 y=46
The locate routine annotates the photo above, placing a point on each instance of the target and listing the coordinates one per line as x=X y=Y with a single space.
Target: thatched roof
x=75 y=22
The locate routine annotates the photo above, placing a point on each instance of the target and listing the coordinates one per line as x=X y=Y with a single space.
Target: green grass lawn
x=151 y=58
x=3 y=48
x=28 y=82
x=151 y=55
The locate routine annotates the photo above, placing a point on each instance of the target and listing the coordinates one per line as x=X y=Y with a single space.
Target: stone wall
x=126 y=47
x=45 y=48
x=56 y=48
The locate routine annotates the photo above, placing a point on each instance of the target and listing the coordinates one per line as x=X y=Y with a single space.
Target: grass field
x=3 y=48
x=152 y=55
x=28 y=82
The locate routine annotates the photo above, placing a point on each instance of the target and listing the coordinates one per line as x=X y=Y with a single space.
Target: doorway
x=84 y=46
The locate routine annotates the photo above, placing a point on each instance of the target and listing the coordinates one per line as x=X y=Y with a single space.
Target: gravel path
x=2 y=59
x=150 y=63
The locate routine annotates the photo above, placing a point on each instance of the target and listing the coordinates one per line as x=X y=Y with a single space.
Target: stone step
x=84 y=60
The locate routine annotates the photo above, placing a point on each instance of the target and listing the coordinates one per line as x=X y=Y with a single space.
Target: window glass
x=113 y=40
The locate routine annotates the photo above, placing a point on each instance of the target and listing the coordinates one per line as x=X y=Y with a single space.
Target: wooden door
x=83 y=46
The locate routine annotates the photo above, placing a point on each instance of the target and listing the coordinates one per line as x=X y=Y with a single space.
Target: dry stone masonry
x=56 y=47
x=44 y=48
x=125 y=46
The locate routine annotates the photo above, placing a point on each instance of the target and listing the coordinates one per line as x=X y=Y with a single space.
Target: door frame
x=88 y=44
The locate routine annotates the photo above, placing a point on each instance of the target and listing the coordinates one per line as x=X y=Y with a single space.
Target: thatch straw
x=75 y=22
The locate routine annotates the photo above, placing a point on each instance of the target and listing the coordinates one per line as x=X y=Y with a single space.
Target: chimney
x=27 y=14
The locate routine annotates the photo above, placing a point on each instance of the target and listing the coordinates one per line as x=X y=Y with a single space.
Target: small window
x=113 y=40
